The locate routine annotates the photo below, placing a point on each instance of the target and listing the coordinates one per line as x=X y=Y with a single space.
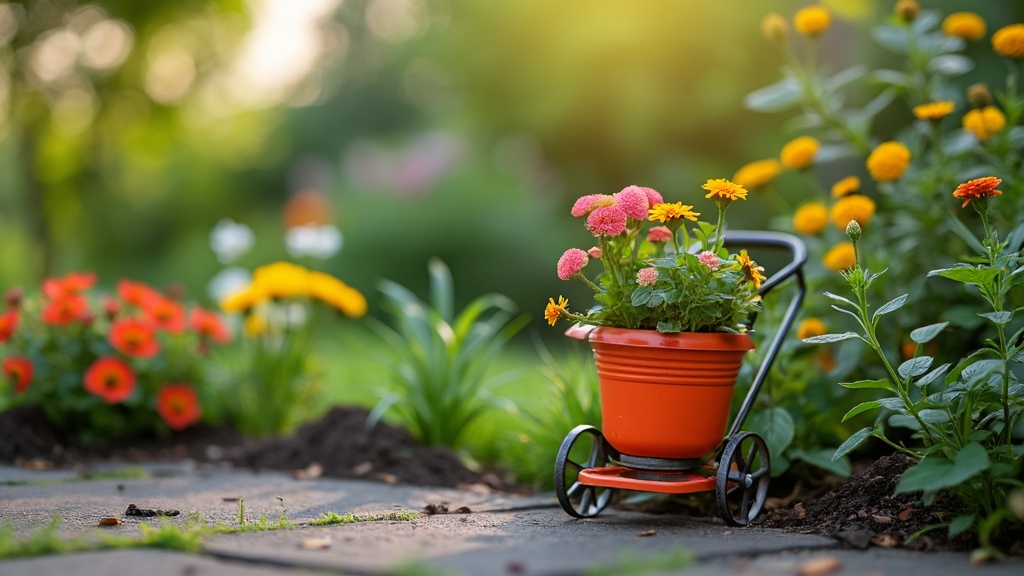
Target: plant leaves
x=828 y=338
x=891 y=38
x=862 y=407
x=852 y=443
x=933 y=375
x=875 y=384
x=890 y=306
x=776 y=426
x=915 y=366
x=822 y=458
x=961 y=524
x=925 y=334
x=1001 y=318
x=951 y=64
x=776 y=97
x=967 y=274
x=889 y=77
x=935 y=472
x=839 y=298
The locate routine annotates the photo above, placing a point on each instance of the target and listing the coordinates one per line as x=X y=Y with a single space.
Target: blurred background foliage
x=451 y=128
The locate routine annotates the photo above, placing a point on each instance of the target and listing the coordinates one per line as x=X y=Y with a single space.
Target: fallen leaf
x=799 y=509
x=882 y=519
x=315 y=543
x=905 y=514
x=646 y=533
x=885 y=541
x=314 y=470
x=819 y=566
x=110 y=521
x=362 y=469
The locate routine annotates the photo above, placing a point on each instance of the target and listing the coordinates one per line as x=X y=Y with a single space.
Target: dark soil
x=339 y=444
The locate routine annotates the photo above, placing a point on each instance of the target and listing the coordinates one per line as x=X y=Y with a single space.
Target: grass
x=332 y=518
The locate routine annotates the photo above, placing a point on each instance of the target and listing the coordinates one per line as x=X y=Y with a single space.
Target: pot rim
x=655 y=339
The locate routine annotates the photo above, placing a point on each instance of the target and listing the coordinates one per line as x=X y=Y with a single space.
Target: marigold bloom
x=799 y=153
x=209 y=325
x=336 y=293
x=607 y=221
x=984 y=122
x=966 y=25
x=659 y=234
x=812 y=20
x=68 y=285
x=19 y=371
x=665 y=212
x=757 y=174
x=633 y=201
x=166 y=314
x=8 y=324
x=64 y=310
x=134 y=338
x=587 y=204
x=137 y=294
x=111 y=379
x=709 y=259
x=244 y=299
x=1009 y=41
x=888 y=161
x=178 y=405
x=977 y=189
x=554 y=311
x=722 y=189
x=571 y=263
x=845 y=187
x=811 y=327
x=855 y=207
x=774 y=28
x=751 y=271
x=594 y=252
x=282 y=280
x=934 y=111
x=840 y=257
x=646 y=276
x=811 y=218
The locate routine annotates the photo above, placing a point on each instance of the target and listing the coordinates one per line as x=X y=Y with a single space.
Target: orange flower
x=984 y=122
x=166 y=314
x=977 y=189
x=553 y=311
x=134 y=338
x=888 y=161
x=68 y=285
x=853 y=207
x=137 y=294
x=19 y=370
x=934 y=111
x=209 y=325
x=178 y=405
x=840 y=257
x=845 y=187
x=8 y=324
x=110 y=379
x=751 y=271
x=812 y=20
x=65 y=309
x=799 y=152
x=1009 y=41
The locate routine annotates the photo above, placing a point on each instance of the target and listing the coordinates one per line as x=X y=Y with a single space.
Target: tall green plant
x=439 y=380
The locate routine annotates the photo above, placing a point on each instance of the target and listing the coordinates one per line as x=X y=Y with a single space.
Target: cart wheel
x=584 y=447
x=743 y=474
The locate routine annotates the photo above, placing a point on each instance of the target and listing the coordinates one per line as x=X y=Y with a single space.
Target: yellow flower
x=840 y=257
x=845 y=187
x=984 y=122
x=554 y=311
x=336 y=293
x=244 y=299
x=812 y=20
x=888 y=161
x=811 y=327
x=665 y=211
x=856 y=207
x=774 y=28
x=810 y=218
x=798 y=153
x=1009 y=41
x=254 y=325
x=751 y=270
x=282 y=280
x=907 y=10
x=934 y=110
x=757 y=174
x=723 y=189
x=966 y=25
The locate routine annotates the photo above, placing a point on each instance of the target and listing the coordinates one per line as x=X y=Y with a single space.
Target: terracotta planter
x=664 y=396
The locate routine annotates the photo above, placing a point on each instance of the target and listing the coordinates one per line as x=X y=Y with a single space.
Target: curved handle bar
x=756 y=238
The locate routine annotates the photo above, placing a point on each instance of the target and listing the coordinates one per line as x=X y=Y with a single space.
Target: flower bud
x=774 y=28
x=13 y=297
x=111 y=308
x=978 y=95
x=907 y=10
x=853 y=230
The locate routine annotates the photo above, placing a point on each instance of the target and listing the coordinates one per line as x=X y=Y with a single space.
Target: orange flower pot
x=664 y=395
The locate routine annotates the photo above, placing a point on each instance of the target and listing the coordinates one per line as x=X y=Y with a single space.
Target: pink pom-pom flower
x=571 y=263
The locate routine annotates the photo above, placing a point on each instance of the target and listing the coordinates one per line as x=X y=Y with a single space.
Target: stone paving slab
x=148 y=562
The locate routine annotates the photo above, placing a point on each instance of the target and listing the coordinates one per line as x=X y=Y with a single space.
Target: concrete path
x=500 y=534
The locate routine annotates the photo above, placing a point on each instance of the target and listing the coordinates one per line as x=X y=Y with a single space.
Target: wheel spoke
x=595 y=452
x=745 y=507
x=588 y=495
x=760 y=472
x=574 y=489
x=575 y=465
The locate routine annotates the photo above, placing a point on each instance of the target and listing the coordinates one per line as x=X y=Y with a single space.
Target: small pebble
x=819 y=566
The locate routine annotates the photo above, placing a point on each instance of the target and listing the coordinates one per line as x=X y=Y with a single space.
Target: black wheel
x=584 y=447
x=743 y=475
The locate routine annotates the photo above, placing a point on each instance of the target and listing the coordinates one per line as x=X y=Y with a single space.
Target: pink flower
x=633 y=201
x=653 y=196
x=607 y=221
x=594 y=252
x=587 y=204
x=571 y=262
x=709 y=259
x=646 y=276
x=659 y=234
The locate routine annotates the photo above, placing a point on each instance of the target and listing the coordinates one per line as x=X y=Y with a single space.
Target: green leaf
x=951 y=64
x=669 y=327
x=862 y=407
x=875 y=384
x=889 y=77
x=839 y=298
x=925 y=334
x=915 y=366
x=890 y=306
x=776 y=97
x=1001 y=318
x=642 y=295
x=823 y=459
x=933 y=416
x=852 y=443
x=891 y=38
x=933 y=375
x=829 y=338
x=961 y=524
x=776 y=426
x=967 y=274
x=935 y=472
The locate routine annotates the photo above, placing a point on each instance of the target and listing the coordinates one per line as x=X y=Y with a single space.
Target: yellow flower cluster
x=966 y=25
x=799 y=153
x=984 y=122
x=757 y=174
x=1009 y=41
x=853 y=207
x=812 y=20
x=888 y=161
x=841 y=257
x=845 y=187
x=811 y=327
x=934 y=111
x=282 y=280
x=811 y=218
